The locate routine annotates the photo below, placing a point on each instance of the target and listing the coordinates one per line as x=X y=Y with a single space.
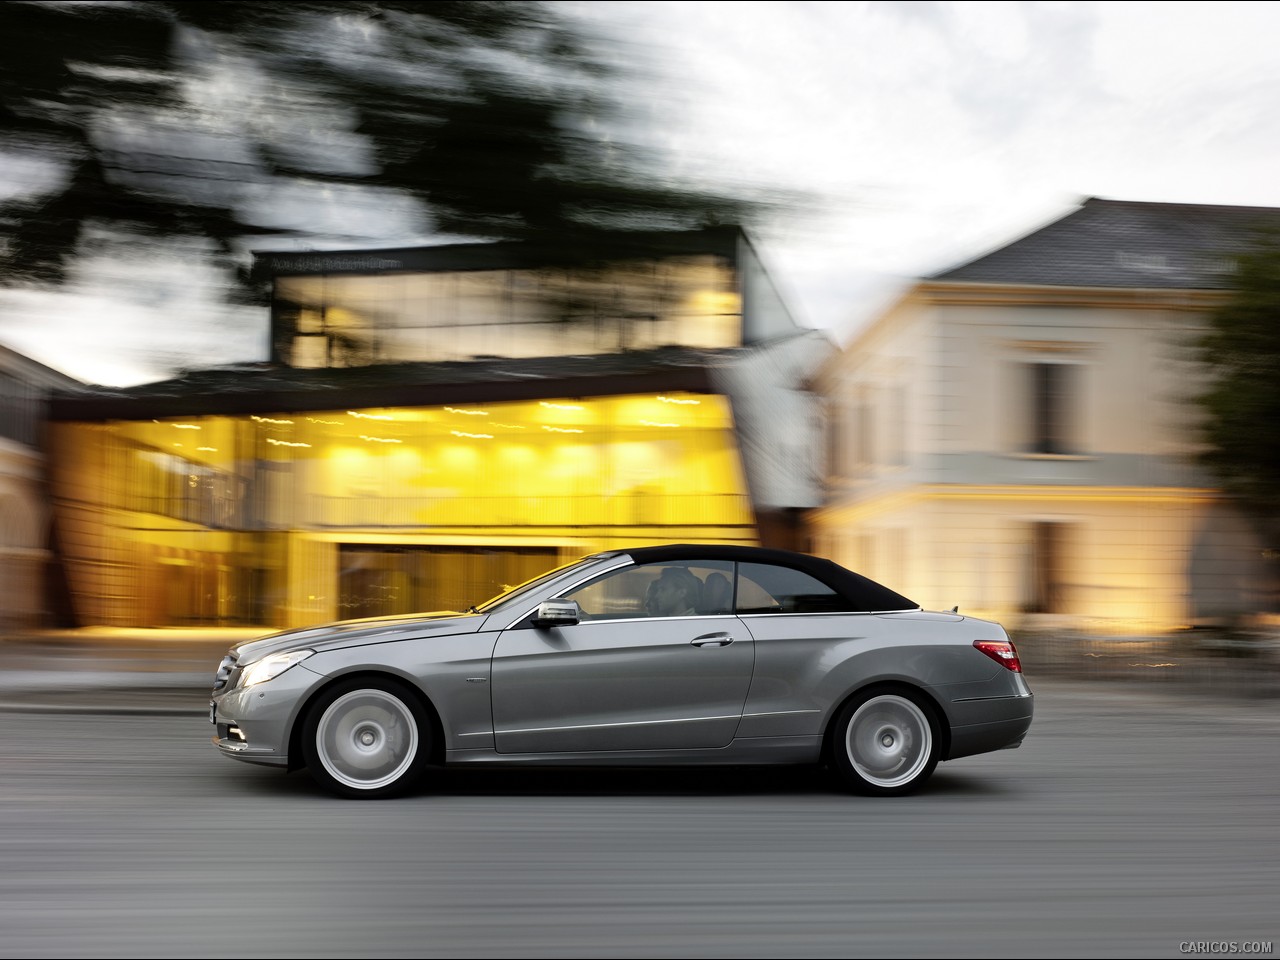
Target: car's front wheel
x=367 y=738
x=885 y=743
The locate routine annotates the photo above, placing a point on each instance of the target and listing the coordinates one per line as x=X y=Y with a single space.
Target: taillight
x=1002 y=652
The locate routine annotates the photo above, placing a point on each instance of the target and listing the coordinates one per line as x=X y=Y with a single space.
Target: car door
x=658 y=662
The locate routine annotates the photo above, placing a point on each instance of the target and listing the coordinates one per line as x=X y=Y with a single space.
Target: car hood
x=354 y=633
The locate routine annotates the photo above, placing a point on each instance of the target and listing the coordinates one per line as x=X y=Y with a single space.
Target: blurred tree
x=219 y=121
x=1242 y=401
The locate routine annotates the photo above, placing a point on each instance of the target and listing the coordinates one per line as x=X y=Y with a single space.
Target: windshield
x=529 y=586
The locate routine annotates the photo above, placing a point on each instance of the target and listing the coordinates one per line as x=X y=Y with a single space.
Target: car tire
x=885 y=743
x=367 y=738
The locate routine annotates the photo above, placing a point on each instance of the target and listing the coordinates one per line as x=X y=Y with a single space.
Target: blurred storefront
x=437 y=423
x=28 y=580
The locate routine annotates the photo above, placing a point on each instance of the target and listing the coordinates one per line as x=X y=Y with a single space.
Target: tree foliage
x=156 y=121
x=1242 y=403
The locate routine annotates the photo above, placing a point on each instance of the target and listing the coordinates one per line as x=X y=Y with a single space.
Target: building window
x=838 y=437
x=1047 y=580
x=347 y=320
x=866 y=555
x=896 y=433
x=1054 y=389
x=377 y=580
x=865 y=433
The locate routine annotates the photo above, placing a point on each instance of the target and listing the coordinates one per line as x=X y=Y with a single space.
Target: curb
x=82 y=709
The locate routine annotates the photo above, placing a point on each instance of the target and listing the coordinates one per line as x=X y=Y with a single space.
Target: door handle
x=712 y=640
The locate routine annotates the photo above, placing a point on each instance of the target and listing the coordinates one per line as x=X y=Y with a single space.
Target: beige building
x=1017 y=435
x=24 y=501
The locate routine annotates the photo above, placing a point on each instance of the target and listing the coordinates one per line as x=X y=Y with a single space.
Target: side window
x=684 y=589
x=764 y=588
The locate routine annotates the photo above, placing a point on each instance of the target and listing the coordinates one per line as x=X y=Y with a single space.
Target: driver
x=676 y=593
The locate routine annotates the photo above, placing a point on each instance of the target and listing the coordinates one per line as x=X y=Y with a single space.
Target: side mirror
x=557 y=613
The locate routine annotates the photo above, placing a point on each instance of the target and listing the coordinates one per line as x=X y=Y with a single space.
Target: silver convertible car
x=665 y=655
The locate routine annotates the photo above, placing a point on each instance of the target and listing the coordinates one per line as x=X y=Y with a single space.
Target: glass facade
x=289 y=519
x=343 y=320
x=288 y=495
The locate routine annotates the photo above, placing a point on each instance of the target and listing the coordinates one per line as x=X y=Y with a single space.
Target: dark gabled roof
x=506 y=255
x=1120 y=243
x=267 y=388
x=862 y=594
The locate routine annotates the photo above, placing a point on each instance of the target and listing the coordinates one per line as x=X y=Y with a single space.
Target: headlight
x=272 y=666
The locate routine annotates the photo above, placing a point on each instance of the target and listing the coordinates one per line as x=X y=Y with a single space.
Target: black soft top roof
x=860 y=592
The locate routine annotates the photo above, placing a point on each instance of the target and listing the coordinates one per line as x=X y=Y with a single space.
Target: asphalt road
x=1127 y=824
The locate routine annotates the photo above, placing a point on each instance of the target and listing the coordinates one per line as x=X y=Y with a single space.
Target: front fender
x=452 y=673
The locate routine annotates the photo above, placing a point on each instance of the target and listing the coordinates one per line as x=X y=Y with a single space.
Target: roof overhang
x=286 y=390
x=589 y=247
x=1017 y=294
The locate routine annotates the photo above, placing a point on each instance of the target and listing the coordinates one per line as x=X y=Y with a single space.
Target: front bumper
x=253 y=723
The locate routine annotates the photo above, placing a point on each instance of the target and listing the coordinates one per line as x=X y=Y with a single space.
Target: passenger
x=717 y=594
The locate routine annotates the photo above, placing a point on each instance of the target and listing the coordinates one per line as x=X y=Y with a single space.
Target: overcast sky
x=935 y=131
x=926 y=133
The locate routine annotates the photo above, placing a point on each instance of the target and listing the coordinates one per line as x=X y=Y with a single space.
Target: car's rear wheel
x=367 y=738
x=885 y=743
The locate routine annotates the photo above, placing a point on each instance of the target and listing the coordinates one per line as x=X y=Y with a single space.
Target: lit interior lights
x=561 y=430
x=717 y=302
x=380 y=439
x=511 y=426
x=472 y=436
x=468 y=413
x=654 y=423
x=682 y=402
x=255 y=417
x=331 y=423
x=285 y=443
x=560 y=406
x=186 y=426
x=207 y=449
x=370 y=416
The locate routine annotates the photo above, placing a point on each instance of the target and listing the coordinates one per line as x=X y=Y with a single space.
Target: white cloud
x=121 y=322
x=933 y=131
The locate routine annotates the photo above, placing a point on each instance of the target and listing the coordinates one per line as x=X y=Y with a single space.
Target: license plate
x=213 y=712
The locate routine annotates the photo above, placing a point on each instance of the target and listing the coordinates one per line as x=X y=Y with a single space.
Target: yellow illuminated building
x=417 y=442
x=296 y=518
